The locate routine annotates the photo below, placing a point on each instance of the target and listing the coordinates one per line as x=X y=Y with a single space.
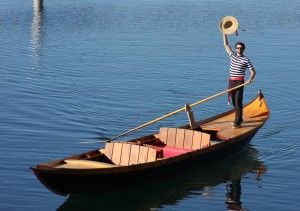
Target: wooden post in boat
x=190 y=115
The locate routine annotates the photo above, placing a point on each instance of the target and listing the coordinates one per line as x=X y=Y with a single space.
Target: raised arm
x=226 y=45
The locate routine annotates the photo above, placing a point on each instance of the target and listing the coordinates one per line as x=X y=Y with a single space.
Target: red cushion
x=172 y=151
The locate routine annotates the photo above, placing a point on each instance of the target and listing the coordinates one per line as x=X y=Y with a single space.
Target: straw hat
x=228 y=25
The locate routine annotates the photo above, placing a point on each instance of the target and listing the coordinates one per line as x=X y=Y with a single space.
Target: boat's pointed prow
x=257 y=108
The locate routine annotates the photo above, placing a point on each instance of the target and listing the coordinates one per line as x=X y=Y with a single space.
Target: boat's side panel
x=65 y=182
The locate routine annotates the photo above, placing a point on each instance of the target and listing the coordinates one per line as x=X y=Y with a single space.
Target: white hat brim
x=228 y=25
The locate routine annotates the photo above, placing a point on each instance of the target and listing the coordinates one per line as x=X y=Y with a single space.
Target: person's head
x=240 y=47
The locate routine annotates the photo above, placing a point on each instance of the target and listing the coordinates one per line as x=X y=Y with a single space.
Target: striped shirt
x=238 y=65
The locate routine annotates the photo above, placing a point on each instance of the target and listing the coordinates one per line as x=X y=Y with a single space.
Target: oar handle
x=218 y=94
x=177 y=111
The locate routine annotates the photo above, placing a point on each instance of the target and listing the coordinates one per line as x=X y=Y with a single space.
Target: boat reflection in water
x=198 y=180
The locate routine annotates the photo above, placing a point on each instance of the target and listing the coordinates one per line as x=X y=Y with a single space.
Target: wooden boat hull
x=67 y=181
x=62 y=182
x=196 y=179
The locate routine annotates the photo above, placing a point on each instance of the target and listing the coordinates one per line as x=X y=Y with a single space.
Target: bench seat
x=84 y=164
x=183 y=138
x=125 y=154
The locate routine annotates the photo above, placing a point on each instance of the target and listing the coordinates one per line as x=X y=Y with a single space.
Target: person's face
x=239 y=49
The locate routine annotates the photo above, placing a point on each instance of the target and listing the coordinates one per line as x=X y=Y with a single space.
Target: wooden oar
x=177 y=111
x=92 y=142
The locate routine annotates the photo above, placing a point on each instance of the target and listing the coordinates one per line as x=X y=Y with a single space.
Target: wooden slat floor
x=224 y=126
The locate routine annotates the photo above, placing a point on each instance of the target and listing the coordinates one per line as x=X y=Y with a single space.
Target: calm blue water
x=82 y=70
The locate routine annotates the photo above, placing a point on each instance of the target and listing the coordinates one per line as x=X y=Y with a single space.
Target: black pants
x=237 y=100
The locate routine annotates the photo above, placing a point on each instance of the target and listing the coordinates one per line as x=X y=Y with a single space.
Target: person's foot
x=233 y=123
x=236 y=125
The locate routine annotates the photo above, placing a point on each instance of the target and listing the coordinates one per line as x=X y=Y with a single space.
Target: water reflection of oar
x=173 y=112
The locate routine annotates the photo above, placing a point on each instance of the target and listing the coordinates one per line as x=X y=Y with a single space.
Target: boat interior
x=170 y=142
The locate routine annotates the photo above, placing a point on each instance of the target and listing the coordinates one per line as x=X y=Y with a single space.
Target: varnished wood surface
x=183 y=138
x=125 y=154
x=254 y=115
x=84 y=164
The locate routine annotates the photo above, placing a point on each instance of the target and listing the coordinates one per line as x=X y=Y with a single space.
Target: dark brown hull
x=172 y=191
x=65 y=182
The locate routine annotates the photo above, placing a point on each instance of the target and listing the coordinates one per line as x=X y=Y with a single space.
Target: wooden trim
x=117 y=152
x=184 y=138
x=126 y=149
x=109 y=150
x=163 y=134
x=134 y=154
x=151 y=155
x=188 y=139
x=180 y=138
x=197 y=139
x=172 y=134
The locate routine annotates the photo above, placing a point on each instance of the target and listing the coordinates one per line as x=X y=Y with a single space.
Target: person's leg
x=233 y=98
x=232 y=93
x=239 y=105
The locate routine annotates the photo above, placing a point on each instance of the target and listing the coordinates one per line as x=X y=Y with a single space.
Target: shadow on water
x=198 y=180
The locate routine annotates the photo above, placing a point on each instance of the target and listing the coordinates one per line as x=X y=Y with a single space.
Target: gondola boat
x=122 y=164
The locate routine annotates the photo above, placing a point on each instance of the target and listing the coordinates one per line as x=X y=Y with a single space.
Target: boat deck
x=225 y=130
x=253 y=118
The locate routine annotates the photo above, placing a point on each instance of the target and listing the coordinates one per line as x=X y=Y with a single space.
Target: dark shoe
x=236 y=126
x=233 y=122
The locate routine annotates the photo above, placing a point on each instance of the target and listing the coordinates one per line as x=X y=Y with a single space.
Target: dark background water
x=84 y=70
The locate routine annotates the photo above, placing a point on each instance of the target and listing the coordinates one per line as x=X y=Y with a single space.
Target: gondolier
x=238 y=65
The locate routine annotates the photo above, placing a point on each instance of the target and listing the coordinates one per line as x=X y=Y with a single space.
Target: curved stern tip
x=260 y=94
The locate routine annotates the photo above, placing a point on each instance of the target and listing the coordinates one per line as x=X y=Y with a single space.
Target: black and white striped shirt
x=238 y=65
